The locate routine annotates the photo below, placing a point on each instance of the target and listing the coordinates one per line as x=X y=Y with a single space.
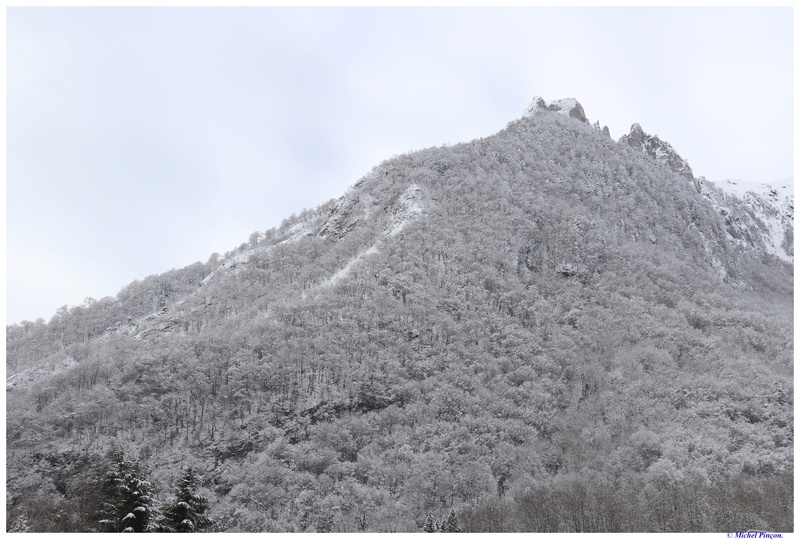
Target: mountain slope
x=541 y=308
x=768 y=209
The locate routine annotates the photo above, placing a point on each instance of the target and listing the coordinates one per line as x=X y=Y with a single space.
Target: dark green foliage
x=188 y=512
x=127 y=497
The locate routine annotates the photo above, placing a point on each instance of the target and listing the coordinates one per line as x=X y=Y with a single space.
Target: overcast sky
x=145 y=139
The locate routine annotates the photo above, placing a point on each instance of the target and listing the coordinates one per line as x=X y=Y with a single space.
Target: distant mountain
x=540 y=330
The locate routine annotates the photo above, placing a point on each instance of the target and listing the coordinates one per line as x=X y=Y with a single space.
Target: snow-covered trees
x=451 y=524
x=430 y=525
x=128 y=501
x=448 y=524
x=128 y=504
x=188 y=512
x=524 y=334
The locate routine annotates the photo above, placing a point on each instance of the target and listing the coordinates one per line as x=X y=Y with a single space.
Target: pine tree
x=452 y=523
x=430 y=525
x=187 y=512
x=127 y=497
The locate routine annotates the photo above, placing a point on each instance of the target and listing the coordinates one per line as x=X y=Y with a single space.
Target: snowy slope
x=34 y=374
x=770 y=205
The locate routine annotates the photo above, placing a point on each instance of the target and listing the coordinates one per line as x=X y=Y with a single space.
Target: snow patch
x=409 y=205
x=781 y=189
x=564 y=105
x=296 y=232
x=34 y=374
x=772 y=204
x=347 y=267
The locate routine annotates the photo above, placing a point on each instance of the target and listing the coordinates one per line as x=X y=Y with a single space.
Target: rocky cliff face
x=658 y=149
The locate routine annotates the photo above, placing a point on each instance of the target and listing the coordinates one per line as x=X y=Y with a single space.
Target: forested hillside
x=541 y=330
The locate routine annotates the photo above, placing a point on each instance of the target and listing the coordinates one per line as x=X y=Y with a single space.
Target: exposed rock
x=567 y=106
x=757 y=215
x=658 y=149
x=537 y=104
x=407 y=208
x=635 y=137
x=349 y=212
x=570 y=107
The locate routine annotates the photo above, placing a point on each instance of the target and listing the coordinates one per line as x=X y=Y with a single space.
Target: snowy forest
x=543 y=330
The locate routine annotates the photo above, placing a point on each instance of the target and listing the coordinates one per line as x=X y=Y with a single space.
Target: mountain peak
x=658 y=149
x=568 y=106
x=637 y=132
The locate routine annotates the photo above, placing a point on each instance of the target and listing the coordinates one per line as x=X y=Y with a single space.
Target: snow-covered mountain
x=768 y=215
x=544 y=312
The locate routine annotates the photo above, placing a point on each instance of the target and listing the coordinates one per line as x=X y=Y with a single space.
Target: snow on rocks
x=296 y=232
x=29 y=376
x=351 y=210
x=658 y=149
x=408 y=206
x=349 y=266
x=567 y=106
x=772 y=205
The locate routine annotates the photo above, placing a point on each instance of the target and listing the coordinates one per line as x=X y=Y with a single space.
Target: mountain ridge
x=350 y=210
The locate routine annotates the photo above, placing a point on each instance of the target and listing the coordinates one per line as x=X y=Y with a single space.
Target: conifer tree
x=127 y=497
x=187 y=512
x=451 y=525
x=430 y=525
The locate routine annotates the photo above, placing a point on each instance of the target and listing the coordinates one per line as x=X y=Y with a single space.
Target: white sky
x=144 y=139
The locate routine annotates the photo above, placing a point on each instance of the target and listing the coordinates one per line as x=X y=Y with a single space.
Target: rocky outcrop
x=349 y=212
x=658 y=149
x=408 y=207
x=567 y=106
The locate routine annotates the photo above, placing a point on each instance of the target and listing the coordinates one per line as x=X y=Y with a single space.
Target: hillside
x=508 y=329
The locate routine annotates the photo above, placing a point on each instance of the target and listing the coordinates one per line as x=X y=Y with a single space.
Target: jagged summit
x=568 y=106
x=658 y=149
x=637 y=139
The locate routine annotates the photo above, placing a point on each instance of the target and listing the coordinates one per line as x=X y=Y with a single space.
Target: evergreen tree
x=430 y=525
x=187 y=512
x=451 y=525
x=127 y=495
